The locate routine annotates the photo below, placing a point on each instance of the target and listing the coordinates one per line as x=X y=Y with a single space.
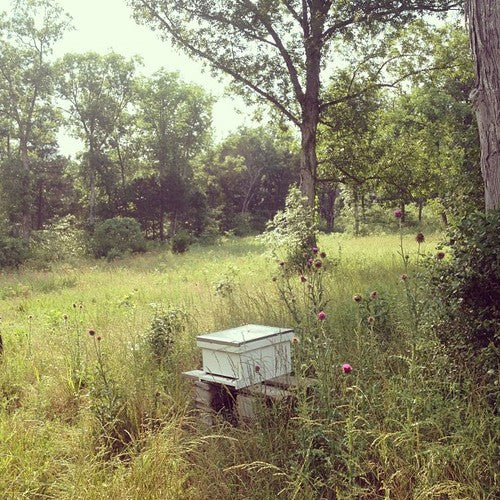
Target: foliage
x=466 y=285
x=175 y=120
x=247 y=177
x=292 y=232
x=28 y=118
x=115 y=237
x=167 y=324
x=13 y=251
x=98 y=89
x=61 y=240
x=181 y=241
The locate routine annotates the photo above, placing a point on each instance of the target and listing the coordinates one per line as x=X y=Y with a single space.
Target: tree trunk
x=310 y=104
x=329 y=208
x=308 y=162
x=484 y=31
x=161 y=223
x=444 y=218
x=25 y=229
x=420 y=210
x=356 y=211
x=92 y=186
x=39 y=206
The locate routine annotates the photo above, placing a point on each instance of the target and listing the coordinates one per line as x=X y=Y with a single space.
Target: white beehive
x=247 y=355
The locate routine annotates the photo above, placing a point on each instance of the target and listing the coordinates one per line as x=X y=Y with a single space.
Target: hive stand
x=244 y=406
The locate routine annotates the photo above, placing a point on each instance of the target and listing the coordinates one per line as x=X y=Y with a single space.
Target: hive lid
x=242 y=334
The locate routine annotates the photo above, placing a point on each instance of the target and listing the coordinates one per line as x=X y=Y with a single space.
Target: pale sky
x=104 y=25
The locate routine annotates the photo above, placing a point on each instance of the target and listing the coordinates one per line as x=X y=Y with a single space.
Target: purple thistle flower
x=346 y=368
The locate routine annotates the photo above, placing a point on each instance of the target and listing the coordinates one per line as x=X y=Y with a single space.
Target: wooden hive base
x=246 y=405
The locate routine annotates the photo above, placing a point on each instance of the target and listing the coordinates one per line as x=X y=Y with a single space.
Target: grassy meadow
x=99 y=416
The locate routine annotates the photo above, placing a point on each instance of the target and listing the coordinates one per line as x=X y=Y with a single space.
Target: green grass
x=403 y=424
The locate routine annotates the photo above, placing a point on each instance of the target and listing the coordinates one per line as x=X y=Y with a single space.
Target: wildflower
x=282 y=263
x=404 y=277
x=346 y=368
x=370 y=320
x=317 y=263
x=74 y=306
x=91 y=333
x=323 y=255
x=303 y=279
x=98 y=339
x=315 y=250
x=65 y=317
x=257 y=368
x=295 y=340
x=374 y=295
x=440 y=255
x=398 y=214
x=310 y=262
x=274 y=278
x=30 y=317
x=420 y=238
x=321 y=315
x=357 y=298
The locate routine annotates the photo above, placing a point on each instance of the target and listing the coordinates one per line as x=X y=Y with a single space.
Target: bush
x=13 y=251
x=467 y=289
x=115 y=237
x=293 y=231
x=242 y=224
x=165 y=326
x=181 y=241
x=60 y=241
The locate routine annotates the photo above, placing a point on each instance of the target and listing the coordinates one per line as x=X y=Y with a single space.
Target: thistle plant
x=416 y=298
x=303 y=293
x=106 y=403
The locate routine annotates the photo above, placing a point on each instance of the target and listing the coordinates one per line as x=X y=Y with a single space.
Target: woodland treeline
x=399 y=130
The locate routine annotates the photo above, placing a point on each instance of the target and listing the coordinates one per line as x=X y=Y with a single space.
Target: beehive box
x=248 y=354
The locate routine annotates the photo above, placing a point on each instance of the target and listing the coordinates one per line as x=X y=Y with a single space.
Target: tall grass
x=88 y=418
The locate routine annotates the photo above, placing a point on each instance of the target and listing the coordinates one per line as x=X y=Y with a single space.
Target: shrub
x=242 y=224
x=115 y=237
x=293 y=231
x=59 y=241
x=13 y=251
x=467 y=288
x=165 y=325
x=181 y=241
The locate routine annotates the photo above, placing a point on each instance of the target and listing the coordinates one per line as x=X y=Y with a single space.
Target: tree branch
x=166 y=22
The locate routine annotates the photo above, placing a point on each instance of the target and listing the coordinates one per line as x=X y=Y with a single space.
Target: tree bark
x=484 y=31
x=310 y=104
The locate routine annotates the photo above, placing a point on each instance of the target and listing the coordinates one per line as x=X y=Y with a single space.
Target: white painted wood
x=248 y=355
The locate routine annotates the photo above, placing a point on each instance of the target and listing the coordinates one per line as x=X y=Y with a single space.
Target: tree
x=484 y=31
x=247 y=176
x=27 y=37
x=98 y=89
x=176 y=121
x=276 y=50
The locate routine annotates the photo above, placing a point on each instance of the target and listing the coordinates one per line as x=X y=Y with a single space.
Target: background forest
x=351 y=209
x=405 y=138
